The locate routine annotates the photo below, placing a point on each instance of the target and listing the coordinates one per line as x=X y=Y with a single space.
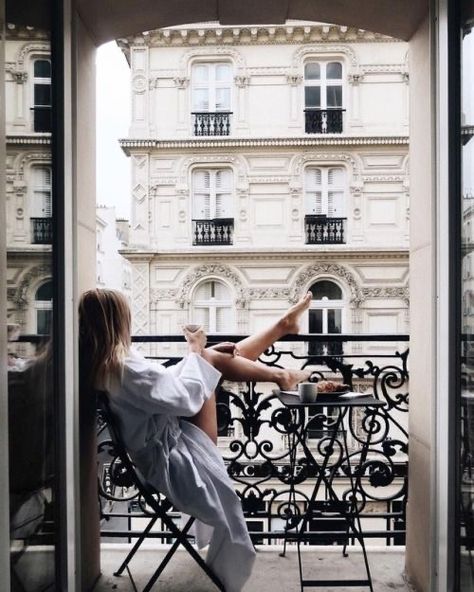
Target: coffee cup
x=308 y=392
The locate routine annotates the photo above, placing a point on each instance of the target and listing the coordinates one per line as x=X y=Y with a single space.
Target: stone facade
x=267 y=161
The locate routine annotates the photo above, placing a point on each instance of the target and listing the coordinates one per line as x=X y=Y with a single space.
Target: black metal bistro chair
x=159 y=506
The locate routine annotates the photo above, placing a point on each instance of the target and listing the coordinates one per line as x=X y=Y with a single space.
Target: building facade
x=267 y=161
x=28 y=178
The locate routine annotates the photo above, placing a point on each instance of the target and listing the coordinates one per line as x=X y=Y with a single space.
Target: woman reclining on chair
x=180 y=458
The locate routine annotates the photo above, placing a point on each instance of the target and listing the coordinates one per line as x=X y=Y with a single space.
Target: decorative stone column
x=294 y=80
x=242 y=81
x=181 y=83
x=140 y=90
x=140 y=231
x=354 y=79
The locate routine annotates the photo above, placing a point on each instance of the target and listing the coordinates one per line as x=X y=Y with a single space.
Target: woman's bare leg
x=241 y=369
x=206 y=419
x=252 y=347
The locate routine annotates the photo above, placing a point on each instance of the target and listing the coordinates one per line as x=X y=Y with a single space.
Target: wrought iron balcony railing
x=324 y=121
x=215 y=123
x=41 y=231
x=42 y=118
x=218 y=231
x=320 y=230
x=256 y=428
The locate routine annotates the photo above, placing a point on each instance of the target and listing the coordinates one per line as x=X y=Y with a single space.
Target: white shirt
x=180 y=460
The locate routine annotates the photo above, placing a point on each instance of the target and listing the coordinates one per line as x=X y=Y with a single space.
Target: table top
x=328 y=399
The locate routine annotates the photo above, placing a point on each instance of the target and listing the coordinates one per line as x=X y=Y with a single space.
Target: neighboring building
x=113 y=270
x=267 y=161
x=28 y=178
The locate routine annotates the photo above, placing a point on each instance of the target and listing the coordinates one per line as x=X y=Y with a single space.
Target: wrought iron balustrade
x=215 y=123
x=42 y=231
x=256 y=428
x=42 y=118
x=320 y=230
x=324 y=121
x=218 y=231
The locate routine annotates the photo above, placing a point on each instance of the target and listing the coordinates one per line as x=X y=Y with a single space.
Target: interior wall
x=84 y=174
x=422 y=312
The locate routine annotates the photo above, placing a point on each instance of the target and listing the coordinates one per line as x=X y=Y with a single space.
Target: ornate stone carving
x=322 y=157
x=294 y=79
x=268 y=293
x=242 y=80
x=139 y=83
x=20 y=297
x=19 y=76
x=355 y=78
x=25 y=159
x=401 y=292
x=312 y=274
x=31 y=48
x=207 y=271
x=211 y=53
x=181 y=81
x=141 y=297
x=159 y=294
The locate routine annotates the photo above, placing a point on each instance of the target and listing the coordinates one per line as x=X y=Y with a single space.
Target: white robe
x=180 y=460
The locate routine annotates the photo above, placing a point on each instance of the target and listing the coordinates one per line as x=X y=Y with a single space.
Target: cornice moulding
x=37 y=139
x=131 y=144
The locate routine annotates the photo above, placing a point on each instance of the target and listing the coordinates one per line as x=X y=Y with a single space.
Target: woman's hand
x=196 y=340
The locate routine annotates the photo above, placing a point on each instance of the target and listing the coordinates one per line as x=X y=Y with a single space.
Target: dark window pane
x=334 y=96
x=327 y=289
x=42 y=94
x=42 y=69
x=45 y=292
x=312 y=96
x=334 y=321
x=316 y=321
x=334 y=71
x=312 y=71
x=43 y=321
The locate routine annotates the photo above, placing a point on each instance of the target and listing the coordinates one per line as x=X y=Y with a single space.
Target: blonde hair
x=104 y=337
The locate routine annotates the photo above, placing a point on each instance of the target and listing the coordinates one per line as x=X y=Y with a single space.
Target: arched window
x=41 y=95
x=326 y=316
x=323 y=97
x=211 y=86
x=44 y=308
x=213 y=307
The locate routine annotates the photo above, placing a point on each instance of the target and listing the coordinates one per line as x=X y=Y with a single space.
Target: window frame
x=212 y=192
x=212 y=304
x=212 y=85
x=323 y=82
x=43 y=81
x=325 y=189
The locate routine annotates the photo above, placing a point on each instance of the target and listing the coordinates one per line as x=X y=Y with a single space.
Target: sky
x=113 y=119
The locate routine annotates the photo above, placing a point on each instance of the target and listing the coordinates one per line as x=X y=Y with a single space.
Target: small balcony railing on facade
x=42 y=118
x=324 y=121
x=41 y=231
x=320 y=230
x=216 y=232
x=254 y=428
x=215 y=123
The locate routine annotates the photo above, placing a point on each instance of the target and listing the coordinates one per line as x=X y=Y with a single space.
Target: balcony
x=216 y=123
x=42 y=118
x=255 y=426
x=41 y=231
x=320 y=230
x=324 y=121
x=216 y=232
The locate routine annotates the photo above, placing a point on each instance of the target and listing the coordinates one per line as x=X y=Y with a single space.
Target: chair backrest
x=148 y=492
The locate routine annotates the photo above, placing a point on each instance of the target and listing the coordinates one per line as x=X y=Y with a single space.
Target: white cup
x=308 y=392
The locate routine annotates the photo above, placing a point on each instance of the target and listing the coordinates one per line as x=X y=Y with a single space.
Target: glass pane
x=43 y=322
x=326 y=289
x=334 y=320
x=466 y=453
x=200 y=73
x=42 y=94
x=312 y=96
x=223 y=72
x=312 y=71
x=222 y=99
x=334 y=71
x=32 y=403
x=201 y=99
x=316 y=321
x=334 y=96
x=42 y=69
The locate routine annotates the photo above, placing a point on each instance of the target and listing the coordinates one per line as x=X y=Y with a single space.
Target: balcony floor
x=272 y=573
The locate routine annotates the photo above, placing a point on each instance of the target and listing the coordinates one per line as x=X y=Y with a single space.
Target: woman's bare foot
x=290 y=378
x=290 y=322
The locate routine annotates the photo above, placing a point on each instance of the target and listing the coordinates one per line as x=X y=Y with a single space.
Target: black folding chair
x=160 y=507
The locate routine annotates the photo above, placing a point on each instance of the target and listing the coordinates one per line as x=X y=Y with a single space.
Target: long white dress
x=180 y=460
